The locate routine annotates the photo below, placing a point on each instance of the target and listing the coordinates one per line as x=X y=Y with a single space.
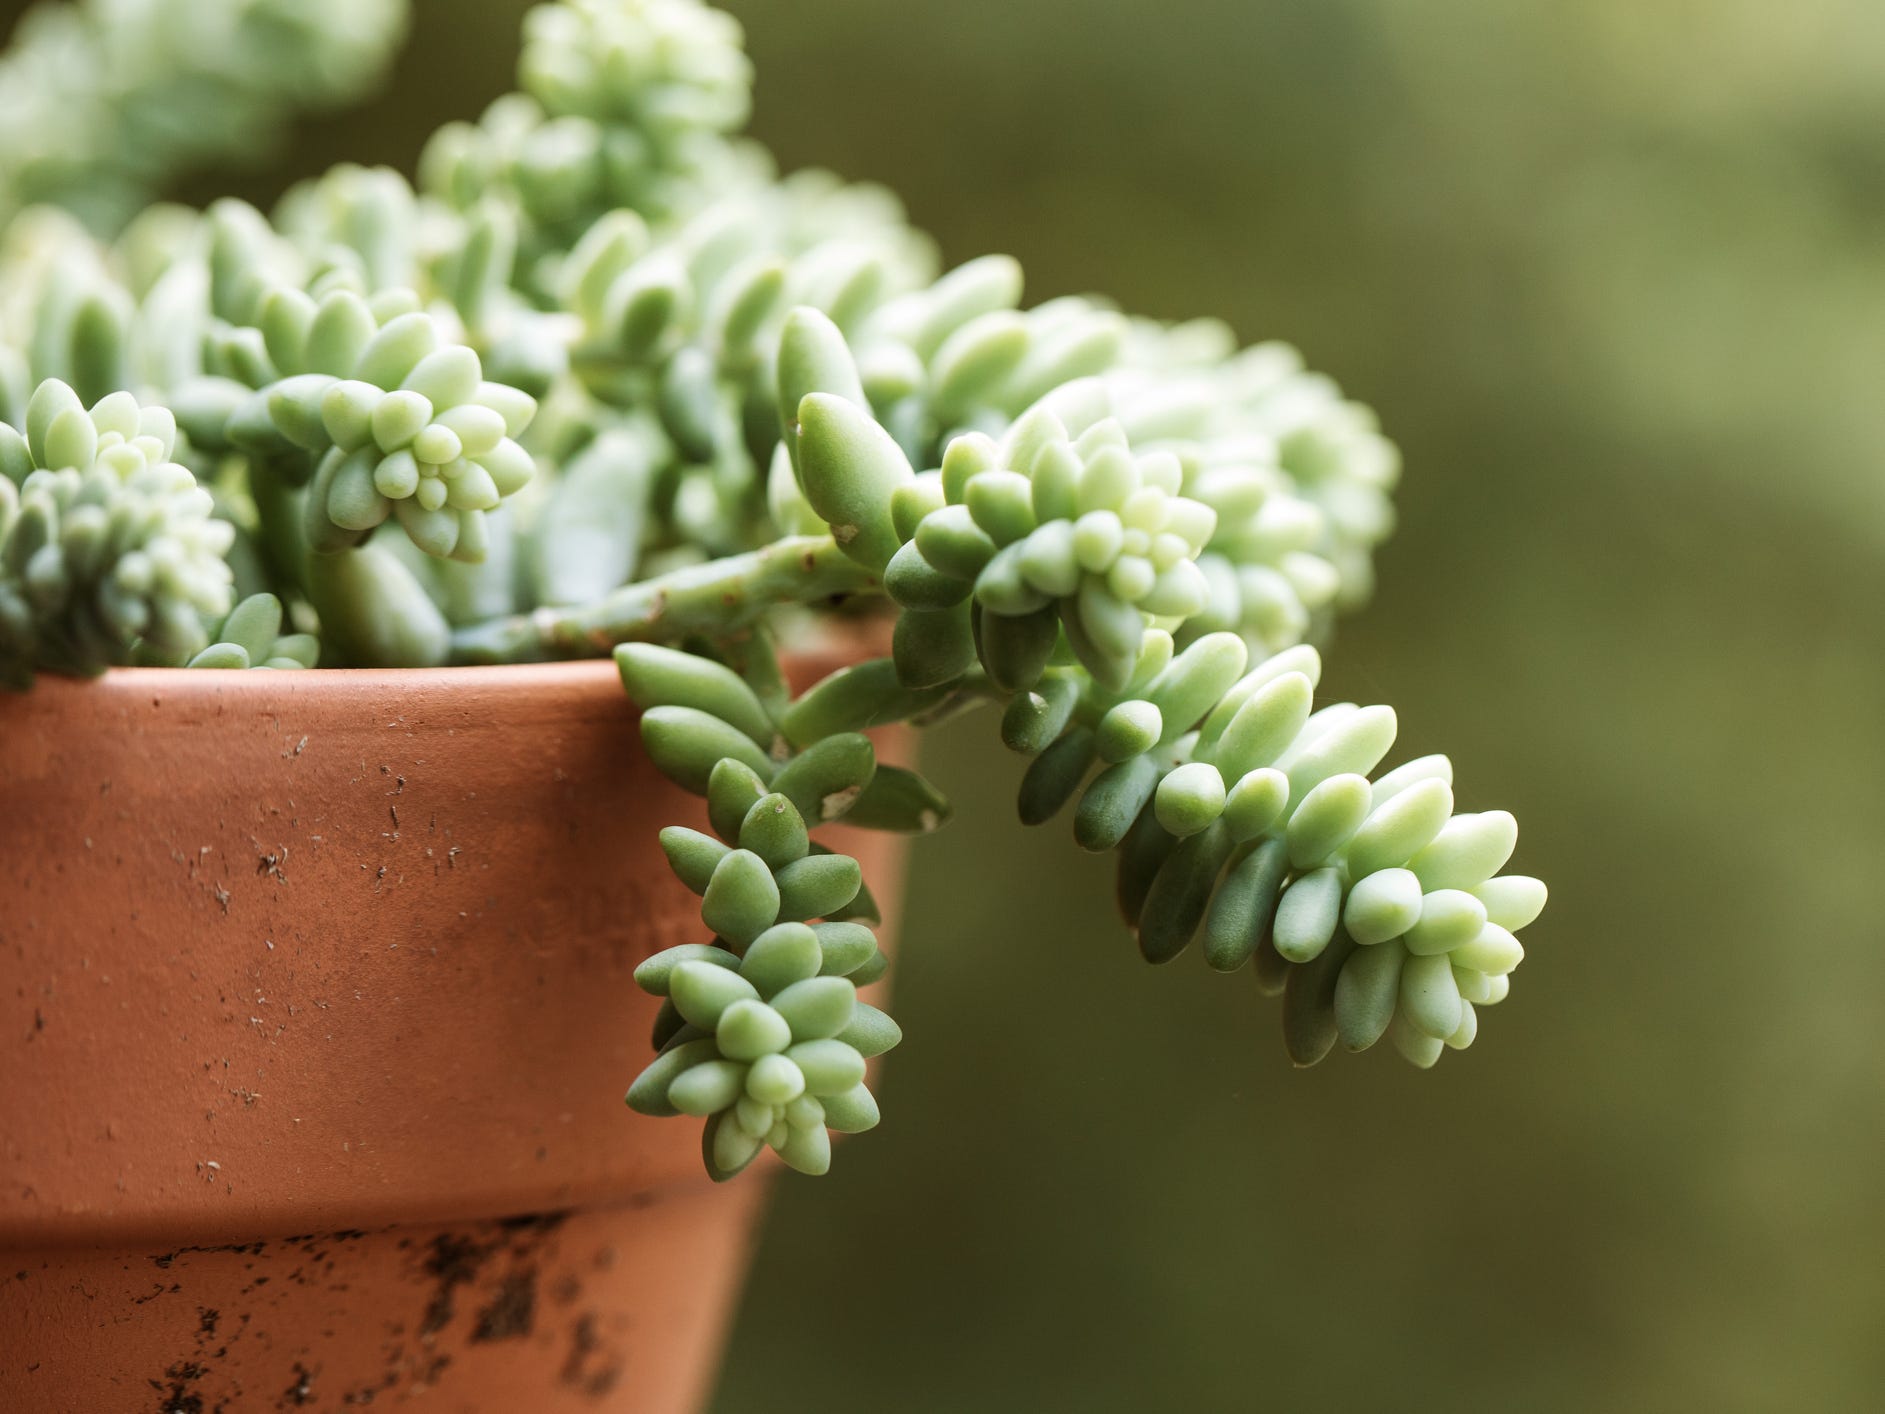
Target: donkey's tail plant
x=605 y=383
x=761 y=1031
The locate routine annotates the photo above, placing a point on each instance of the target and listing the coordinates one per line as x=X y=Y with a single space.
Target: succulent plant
x=106 y=99
x=604 y=382
x=251 y=636
x=105 y=542
x=620 y=104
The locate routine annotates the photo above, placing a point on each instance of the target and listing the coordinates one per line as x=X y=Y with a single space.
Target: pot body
x=316 y=997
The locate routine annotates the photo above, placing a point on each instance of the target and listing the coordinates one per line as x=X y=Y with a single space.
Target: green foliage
x=621 y=104
x=761 y=1032
x=251 y=637
x=105 y=542
x=108 y=99
x=1240 y=813
x=603 y=381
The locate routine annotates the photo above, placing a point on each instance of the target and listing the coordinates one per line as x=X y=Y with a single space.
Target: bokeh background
x=1613 y=271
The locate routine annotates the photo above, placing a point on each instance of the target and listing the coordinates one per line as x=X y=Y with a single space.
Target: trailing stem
x=713 y=599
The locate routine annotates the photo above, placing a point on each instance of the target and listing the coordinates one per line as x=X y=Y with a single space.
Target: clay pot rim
x=823 y=648
x=538 y=676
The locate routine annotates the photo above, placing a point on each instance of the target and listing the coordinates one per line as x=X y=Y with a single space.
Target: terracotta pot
x=317 y=1015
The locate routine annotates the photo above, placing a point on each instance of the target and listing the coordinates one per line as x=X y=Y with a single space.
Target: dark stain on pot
x=534 y=1222
x=455 y=1261
x=512 y=1314
x=179 y=1398
x=589 y=1369
x=505 y=1262
x=301 y=1390
x=239 y=1248
x=359 y=1398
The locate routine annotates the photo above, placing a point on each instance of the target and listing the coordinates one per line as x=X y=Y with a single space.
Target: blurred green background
x=1613 y=271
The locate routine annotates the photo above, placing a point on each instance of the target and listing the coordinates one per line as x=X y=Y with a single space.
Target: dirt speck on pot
x=301 y=1389
x=512 y=1313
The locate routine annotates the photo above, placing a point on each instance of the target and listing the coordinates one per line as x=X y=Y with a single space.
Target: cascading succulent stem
x=715 y=599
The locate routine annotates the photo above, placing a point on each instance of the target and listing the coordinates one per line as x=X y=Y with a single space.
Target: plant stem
x=755 y=657
x=278 y=511
x=708 y=599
